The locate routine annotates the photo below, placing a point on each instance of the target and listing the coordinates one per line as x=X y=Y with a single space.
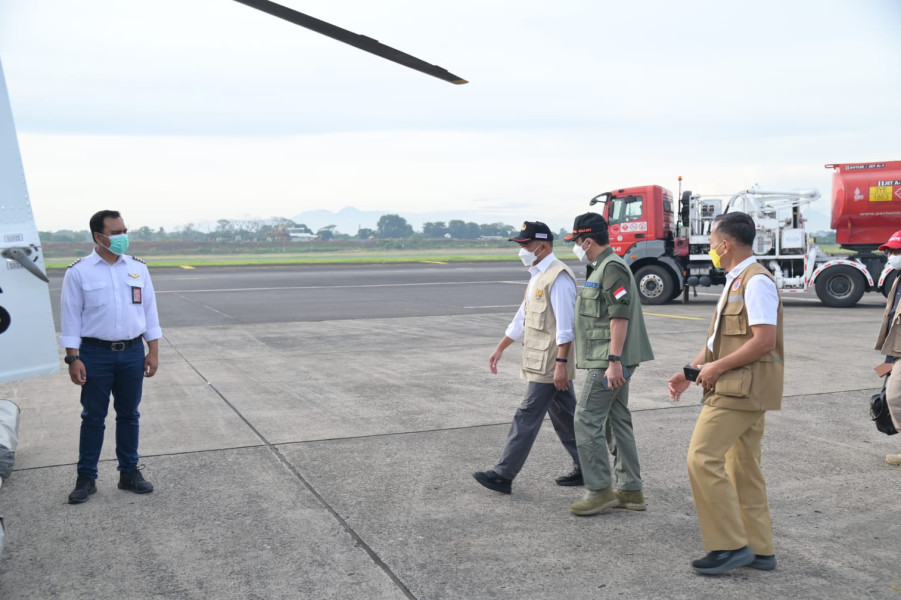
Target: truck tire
x=676 y=292
x=888 y=283
x=840 y=286
x=655 y=284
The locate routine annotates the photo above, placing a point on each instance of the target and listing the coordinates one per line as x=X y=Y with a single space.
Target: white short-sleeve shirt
x=761 y=298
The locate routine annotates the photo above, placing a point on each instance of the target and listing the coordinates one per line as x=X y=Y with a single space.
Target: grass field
x=374 y=255
x=59 y=256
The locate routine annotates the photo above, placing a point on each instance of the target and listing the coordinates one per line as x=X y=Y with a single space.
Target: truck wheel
x=655 y=284
x=888 y=283
x=676 y=293
x=840 y=286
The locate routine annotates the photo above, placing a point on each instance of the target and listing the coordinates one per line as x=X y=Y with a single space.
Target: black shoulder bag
x=879 y=411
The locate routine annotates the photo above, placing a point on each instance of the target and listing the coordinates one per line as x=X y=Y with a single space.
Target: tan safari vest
x=755 y=386
x=889 y=342
x=539 y=340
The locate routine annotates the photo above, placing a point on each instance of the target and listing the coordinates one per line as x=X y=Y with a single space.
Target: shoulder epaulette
x=75 y=263
x=138 y=259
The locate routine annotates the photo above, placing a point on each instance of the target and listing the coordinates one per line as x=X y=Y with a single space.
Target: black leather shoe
x=84 y=487
x=493 y=481
x=720 y=561
x=134 y=482
x=574 y=477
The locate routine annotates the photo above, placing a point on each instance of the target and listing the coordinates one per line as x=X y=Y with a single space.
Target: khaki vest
x=889 y=342
x=755 y=386
x=593 y=323
x=539 y=340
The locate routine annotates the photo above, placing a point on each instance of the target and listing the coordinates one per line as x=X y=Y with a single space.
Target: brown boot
x=631 y=500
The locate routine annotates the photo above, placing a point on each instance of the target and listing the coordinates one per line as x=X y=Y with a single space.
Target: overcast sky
x=178 y=111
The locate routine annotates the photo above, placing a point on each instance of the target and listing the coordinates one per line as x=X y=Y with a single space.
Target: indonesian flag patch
x=620 y=293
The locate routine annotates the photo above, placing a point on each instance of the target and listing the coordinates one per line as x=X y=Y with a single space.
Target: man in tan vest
x=741 y=371
x=544 y=322
x=889 y=341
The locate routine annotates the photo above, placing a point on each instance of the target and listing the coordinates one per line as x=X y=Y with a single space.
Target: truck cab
x=640 y=221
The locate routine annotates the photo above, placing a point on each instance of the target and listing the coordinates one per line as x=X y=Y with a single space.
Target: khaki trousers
x=726 y=480
x=893 y=394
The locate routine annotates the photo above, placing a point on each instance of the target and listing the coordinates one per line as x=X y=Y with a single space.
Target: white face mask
x=894 y=261
x=580 y=253
x=527 y=258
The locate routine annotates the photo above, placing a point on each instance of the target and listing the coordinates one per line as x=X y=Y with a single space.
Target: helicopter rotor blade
x=354 y=39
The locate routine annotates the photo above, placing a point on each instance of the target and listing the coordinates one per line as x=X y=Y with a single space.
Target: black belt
x=114 y=346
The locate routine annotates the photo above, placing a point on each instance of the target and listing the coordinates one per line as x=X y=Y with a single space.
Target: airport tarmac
x=312 y=431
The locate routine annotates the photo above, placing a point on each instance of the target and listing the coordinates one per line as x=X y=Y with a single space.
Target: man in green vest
x=611 y=341
x=741 y=371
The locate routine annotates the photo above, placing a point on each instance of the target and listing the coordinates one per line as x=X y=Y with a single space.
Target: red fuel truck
x=666 y=245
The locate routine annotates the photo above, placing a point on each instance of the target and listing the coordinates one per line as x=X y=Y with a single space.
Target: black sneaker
x=721 y=561
x=135 y=482
x=763 y=562
x=574 y=477
x=493 y=481
x=84 y=487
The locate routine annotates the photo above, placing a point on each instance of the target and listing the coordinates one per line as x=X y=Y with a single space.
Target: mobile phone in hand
x=626 y=373
x=691 y=373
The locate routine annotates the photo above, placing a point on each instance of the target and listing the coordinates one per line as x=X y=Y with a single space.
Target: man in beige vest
x=741 y=371
x=544 y=322
x=889 y=341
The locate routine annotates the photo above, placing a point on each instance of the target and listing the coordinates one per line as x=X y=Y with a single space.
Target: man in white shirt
x=108 y=306
x=742 y=372
x=544 y=322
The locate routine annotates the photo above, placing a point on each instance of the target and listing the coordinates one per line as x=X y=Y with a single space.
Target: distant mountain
x=350 y=220
x=347 y=220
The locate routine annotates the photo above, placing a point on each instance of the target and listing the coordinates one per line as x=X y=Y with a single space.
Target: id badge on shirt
x=135 y=295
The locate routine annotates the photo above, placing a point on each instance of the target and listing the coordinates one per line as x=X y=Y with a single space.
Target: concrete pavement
x=333 y=459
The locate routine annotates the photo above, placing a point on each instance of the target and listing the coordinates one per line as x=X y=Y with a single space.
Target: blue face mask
x=118 y=244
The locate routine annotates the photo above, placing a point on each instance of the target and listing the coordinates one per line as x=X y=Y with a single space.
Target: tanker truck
x=666 y=245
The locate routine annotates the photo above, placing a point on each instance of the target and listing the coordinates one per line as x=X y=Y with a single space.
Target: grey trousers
x=541 y=399
x=603 y=419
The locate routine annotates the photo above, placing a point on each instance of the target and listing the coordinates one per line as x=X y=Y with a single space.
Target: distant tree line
x=391 y=226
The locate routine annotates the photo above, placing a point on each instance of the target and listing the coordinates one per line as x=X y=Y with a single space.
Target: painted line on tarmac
x=207 y=307
x=333 y=287
x=677 y=317
x=784 y=296
x=493 y=306
x=433 y=262
x=189 y=267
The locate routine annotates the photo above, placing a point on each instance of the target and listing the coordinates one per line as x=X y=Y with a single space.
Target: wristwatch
x=613 y=358
x=71 y=359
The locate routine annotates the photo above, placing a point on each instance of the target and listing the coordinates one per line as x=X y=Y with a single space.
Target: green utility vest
x=593 y=318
